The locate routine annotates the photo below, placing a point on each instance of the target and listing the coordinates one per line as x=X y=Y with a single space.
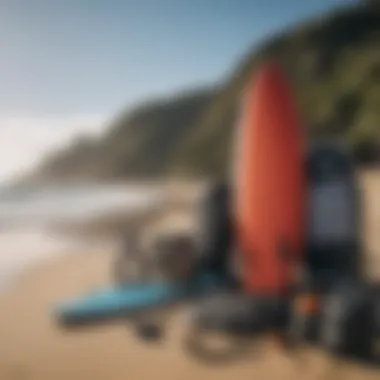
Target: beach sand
x=33 y=347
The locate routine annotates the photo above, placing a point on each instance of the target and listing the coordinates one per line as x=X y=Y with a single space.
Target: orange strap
x=307 y=304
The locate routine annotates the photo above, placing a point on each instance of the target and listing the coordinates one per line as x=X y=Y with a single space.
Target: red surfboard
x=269 y=185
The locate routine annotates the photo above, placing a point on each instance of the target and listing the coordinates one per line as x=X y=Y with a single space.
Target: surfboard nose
x=269 y=83
x=269 y=71
x=275 y=96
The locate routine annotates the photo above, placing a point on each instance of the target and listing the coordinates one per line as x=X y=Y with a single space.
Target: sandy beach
x=33 y=347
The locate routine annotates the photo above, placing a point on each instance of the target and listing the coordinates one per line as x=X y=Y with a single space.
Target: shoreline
x=16 y=265
x=24 y=247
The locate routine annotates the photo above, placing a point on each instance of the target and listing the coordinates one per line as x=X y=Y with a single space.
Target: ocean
x=26 y=212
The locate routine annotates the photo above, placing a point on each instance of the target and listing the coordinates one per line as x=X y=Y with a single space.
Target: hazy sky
x=68 y=65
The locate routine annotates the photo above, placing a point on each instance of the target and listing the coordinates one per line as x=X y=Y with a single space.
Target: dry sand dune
x=33 y=348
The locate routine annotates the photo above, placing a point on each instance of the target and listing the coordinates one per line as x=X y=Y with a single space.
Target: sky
x=67 y=66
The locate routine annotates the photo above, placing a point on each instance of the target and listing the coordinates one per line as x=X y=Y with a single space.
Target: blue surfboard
x=131 y=299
